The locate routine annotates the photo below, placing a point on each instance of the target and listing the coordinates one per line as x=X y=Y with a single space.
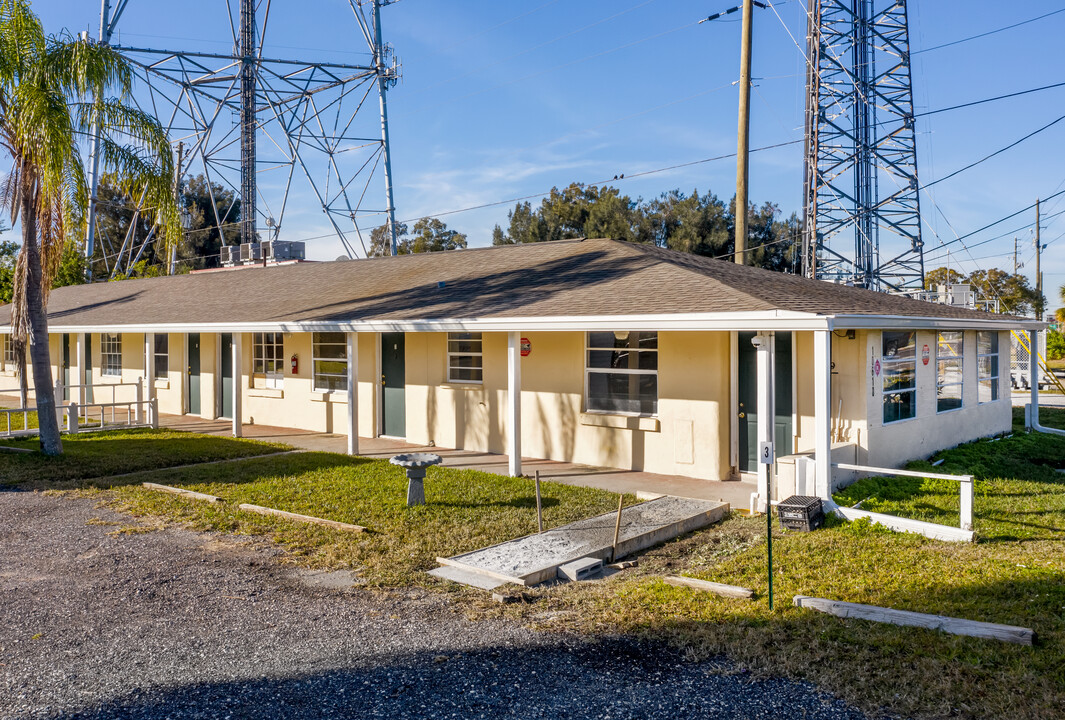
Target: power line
x=996 y=222
x=601 y=182
x=985 y=34
x=997 y=152
x=991 y=99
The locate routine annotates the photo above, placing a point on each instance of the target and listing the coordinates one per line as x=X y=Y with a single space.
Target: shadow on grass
x=104 y=454
x=523 y=503
x=550 y=679
x=235 y=471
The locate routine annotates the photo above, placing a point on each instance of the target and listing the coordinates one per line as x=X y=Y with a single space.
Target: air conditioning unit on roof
x=250 y=252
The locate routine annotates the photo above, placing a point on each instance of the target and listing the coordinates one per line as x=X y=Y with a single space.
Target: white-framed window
x=898 y=359
x=9 y=354
x=621 y=373
x=987 y=364
x=950 y=366
x=329 y=361
x=268 y=359
x=111 y=354
x=465 y=357
x=162 y=356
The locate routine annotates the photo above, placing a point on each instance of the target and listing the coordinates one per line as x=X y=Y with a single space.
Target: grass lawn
x=1015 y=574
x=100 y=454
x=466 y=510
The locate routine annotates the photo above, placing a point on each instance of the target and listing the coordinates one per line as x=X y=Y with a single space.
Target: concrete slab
x=466 y=577
x=534 y=559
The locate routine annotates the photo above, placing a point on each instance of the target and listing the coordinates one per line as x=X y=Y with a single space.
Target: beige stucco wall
x=688 y=437
x=850 y=387
x=893 y=444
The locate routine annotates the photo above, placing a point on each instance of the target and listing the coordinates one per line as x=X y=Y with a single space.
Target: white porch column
x=238 y=382
x=514 y=402
x=1033 y=378
x=766 y=354
x=823 y=412
x=149 y=364
x=78 y=394
x=353 y=393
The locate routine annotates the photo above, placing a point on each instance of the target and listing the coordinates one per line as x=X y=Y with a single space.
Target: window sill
x=162 y=385
x=331 y=396
x=453 y=385
x=627 y=422
x=266 y=393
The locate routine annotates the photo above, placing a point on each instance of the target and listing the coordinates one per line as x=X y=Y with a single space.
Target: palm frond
x=87 y=70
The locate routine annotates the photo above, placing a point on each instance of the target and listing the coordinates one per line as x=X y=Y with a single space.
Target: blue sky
x=502 y=100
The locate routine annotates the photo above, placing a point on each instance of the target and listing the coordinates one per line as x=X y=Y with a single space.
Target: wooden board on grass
x=301 y=518
x=954 y=626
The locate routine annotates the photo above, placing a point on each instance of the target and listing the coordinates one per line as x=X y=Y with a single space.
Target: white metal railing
x=65 y=391
x=74 y=417
x=9 y=414
x=136 y=413
x=965 y=486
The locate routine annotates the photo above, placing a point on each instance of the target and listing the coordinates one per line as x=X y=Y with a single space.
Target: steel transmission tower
x=861 y=217
x=263 y=126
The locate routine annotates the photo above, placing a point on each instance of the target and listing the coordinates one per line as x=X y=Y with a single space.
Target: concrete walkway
x=737 y=494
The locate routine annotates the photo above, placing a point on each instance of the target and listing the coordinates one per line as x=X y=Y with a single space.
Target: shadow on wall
x=548 y=679
x=557 y=422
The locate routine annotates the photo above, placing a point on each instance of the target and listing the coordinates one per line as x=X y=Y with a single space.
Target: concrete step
x=465 y=576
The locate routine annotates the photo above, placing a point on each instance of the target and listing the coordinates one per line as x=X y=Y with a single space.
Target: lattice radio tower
x=862 y=215
x=259 y=125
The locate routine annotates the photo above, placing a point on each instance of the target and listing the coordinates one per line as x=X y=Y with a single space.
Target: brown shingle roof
x=556 y=279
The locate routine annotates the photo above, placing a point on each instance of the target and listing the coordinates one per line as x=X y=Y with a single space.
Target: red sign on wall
x=526 y=347
x=925 y=354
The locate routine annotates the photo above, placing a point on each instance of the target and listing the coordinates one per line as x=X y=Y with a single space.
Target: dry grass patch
x=466 y=510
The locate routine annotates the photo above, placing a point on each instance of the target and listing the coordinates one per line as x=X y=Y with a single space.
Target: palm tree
x=54 y=92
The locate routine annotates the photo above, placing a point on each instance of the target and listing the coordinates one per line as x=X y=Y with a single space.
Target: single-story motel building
x=597 y=352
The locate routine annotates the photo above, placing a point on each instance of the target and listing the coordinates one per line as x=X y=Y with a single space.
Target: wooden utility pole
x=1038 y=269
x=172 y=265
x=742 y=149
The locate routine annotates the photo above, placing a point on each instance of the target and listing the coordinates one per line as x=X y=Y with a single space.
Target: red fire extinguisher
x=295 y=361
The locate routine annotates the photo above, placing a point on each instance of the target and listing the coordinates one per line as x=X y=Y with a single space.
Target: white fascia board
x=901 y=322
x=774 y=320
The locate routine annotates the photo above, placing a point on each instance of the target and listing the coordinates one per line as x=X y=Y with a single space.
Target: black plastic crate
x=801 y=512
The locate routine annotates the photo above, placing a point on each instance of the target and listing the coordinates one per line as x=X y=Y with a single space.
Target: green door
x=225 y=389
x=393 y=383
x=194 y=373
x=66 y=369
x=748 y=399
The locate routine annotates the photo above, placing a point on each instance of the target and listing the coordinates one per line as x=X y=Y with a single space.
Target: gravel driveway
x=96 y=623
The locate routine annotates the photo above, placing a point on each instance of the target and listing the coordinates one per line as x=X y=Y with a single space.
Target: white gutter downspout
x=1033 y=381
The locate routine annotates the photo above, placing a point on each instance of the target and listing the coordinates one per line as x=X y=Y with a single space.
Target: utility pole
x=742 y=148
x=1014 y=256
x=1038 y=269
x=384 y=77
x=177 y=200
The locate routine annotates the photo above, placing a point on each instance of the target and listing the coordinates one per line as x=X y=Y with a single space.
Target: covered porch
x=736 y=493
